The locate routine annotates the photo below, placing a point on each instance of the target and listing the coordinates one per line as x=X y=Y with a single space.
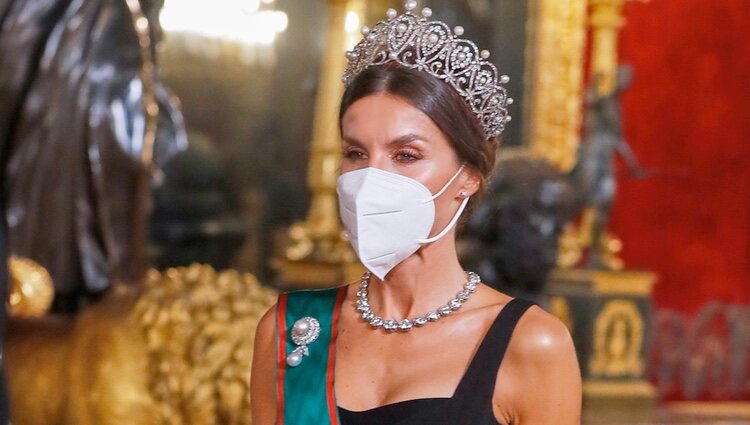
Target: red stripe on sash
x=332 y=412
x=281 y=359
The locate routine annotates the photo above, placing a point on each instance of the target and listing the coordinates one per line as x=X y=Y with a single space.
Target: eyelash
x=353 y=155
x=403 y=156
x=412 y=156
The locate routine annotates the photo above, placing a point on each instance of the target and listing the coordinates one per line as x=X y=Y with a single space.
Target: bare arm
x=545 y=379
x=263 y=373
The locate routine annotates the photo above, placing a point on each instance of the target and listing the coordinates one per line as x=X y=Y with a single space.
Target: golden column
x=606 y=21
x=317 y=254
x=555 y=81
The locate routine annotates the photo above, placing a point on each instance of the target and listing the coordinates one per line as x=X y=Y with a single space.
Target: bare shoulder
x=540 y=336
x=541 y=380
x=537 y=334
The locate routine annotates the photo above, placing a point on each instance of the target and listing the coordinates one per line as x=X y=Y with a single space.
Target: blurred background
x=169 y=165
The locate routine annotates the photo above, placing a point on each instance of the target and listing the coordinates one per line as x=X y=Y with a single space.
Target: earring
x=463 y=194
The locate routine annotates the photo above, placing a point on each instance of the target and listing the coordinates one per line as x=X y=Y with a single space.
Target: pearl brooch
x=304 y=332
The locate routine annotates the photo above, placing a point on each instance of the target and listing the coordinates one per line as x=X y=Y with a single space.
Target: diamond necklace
x=405 y=325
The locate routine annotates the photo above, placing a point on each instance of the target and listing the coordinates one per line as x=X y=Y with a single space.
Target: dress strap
x=474 y=392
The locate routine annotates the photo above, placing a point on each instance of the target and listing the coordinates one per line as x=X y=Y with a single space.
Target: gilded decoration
x=179 y=348
x=198 y=325
x=632 y=283
x=618 y=339
x=606 y=21
x=31 y=289
x=577 y=238
x=555 y=81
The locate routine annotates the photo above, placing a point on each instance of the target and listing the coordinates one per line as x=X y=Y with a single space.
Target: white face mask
x=388 y=216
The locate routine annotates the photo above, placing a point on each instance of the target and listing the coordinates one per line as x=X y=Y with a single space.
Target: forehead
x=383 y=116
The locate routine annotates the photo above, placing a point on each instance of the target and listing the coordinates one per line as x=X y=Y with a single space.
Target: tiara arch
x=416 y=42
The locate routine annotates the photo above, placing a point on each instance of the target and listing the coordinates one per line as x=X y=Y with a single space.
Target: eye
x=407 y=156
x=353 y=154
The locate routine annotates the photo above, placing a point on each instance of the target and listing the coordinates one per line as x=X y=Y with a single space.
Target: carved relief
x=618 y=339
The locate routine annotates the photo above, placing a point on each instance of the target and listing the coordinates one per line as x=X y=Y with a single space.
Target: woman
x=419 y=121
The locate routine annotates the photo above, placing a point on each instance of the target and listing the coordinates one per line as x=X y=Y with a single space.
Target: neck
x=421 y=283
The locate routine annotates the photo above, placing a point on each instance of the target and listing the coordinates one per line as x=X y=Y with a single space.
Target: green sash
x=305 y=392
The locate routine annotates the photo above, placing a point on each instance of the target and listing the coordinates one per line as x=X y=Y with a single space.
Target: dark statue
x=594 y=173
x=72 y=133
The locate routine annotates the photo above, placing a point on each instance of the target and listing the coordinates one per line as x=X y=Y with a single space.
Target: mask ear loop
x=454 y=220
x=450 y=225
x=440 y=192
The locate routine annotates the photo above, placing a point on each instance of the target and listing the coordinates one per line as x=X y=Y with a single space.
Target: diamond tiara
x=416 y=42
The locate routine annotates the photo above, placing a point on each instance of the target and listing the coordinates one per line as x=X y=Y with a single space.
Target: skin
x=539 y=379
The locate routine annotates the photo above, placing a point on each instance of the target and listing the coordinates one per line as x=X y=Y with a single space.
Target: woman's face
x=386 y=132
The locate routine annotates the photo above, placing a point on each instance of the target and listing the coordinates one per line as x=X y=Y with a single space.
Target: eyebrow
x=405 y=139
x=397 y=142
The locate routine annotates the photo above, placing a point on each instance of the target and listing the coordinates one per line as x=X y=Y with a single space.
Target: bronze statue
x=72 y=135
x=594 y=173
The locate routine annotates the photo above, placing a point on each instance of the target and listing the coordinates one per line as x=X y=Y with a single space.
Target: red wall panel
x=687 y=117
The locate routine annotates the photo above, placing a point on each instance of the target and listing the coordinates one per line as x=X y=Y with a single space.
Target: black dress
x=472 y=402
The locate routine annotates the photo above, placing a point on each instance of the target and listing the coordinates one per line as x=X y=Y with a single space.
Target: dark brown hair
x=439 y=101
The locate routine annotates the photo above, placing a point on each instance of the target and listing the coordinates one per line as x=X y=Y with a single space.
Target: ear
x=470 y=182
